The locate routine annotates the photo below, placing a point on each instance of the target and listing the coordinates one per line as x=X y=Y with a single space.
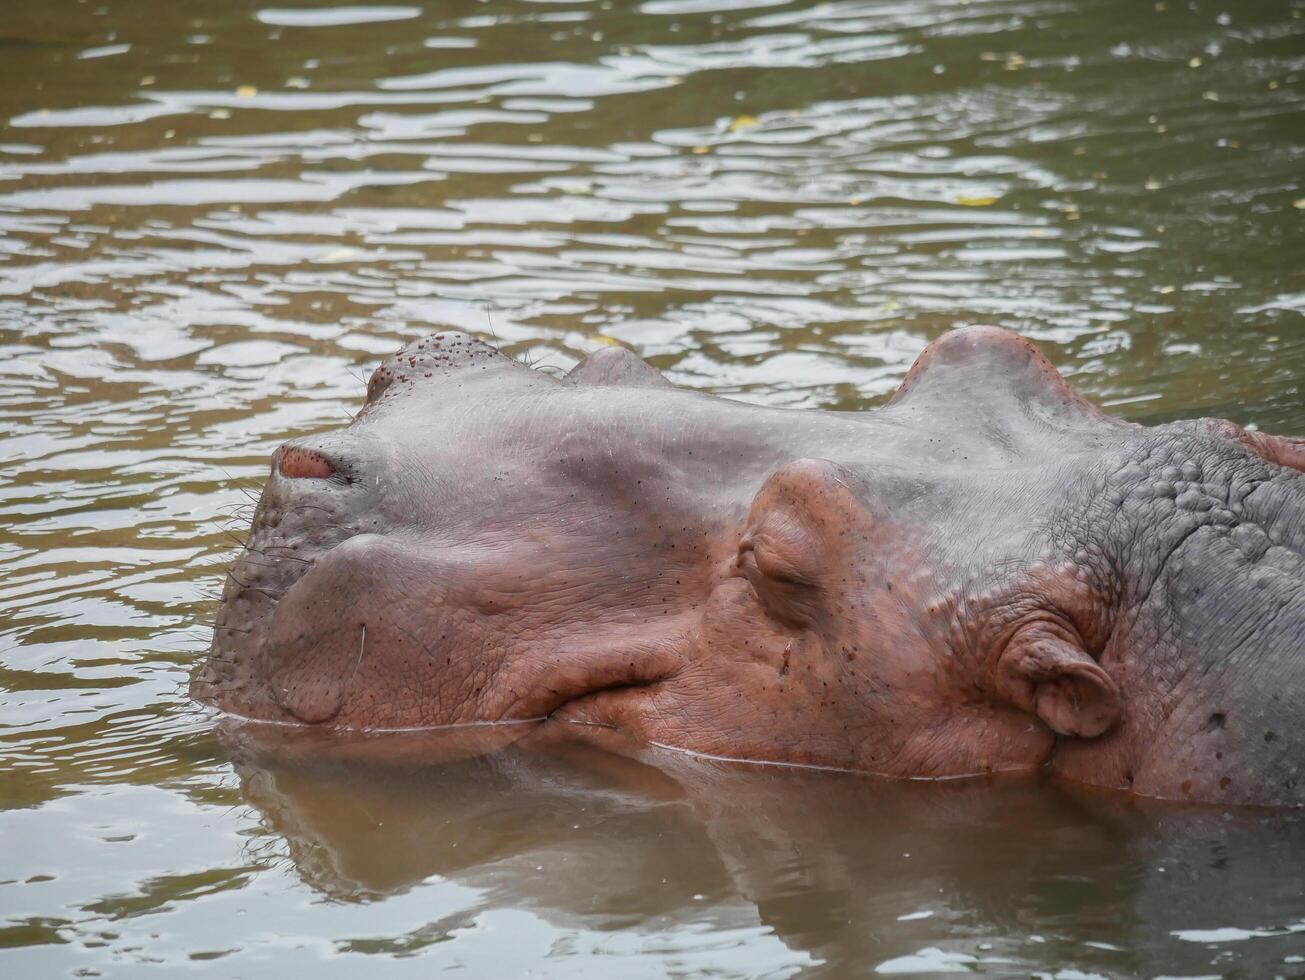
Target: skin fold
x=987 y=574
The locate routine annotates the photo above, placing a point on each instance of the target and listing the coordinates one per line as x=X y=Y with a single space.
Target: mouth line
x=213 y=698
x=560 y=713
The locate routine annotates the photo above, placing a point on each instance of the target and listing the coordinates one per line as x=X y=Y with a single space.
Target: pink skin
x=988 y=574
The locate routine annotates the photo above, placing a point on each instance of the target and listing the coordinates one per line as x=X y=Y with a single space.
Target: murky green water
x=214 y=219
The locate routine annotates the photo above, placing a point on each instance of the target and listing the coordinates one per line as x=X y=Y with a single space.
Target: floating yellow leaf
x=1299 y=203
x=976 y=202
x=606 y=341
x=147 y=80
x=702 y=149
x=743 y=122
x=1194 y=63
x=246 y=92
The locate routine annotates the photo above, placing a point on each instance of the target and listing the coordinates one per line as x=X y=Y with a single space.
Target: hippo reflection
x=846 y=871
x=987 y=574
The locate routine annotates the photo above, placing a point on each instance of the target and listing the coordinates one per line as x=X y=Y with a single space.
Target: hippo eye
x=782 y=563
x=779 y=566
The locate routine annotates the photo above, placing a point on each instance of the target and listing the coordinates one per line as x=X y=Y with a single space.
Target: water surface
x=215 y=219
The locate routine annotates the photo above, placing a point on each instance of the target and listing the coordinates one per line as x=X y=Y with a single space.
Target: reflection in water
x=214 y=221
x=841 y=869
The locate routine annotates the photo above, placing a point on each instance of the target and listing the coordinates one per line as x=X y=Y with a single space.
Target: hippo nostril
x=295 y=461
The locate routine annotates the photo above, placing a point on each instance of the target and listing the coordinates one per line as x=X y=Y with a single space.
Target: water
x=215 y=219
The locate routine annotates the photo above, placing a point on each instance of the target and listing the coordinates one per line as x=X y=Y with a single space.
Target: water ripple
x=213 y=223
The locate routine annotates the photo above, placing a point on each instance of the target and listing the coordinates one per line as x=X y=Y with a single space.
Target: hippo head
x=985 y=574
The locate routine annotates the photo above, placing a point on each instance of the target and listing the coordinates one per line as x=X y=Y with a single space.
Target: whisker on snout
x=277 y=558
x=254 y=588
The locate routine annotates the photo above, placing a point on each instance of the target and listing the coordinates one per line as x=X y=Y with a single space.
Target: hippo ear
x=1056 y=680
x=982 y=373
x=617 y=366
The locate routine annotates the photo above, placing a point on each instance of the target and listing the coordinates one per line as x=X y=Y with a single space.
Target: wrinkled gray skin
x=987 y=574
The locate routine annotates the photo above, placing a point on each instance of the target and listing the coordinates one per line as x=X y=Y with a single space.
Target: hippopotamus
x=986 y=574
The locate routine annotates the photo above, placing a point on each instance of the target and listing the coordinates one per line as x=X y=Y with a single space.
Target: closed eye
x=786 y=593
x=785 y=550
x=778 y=566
